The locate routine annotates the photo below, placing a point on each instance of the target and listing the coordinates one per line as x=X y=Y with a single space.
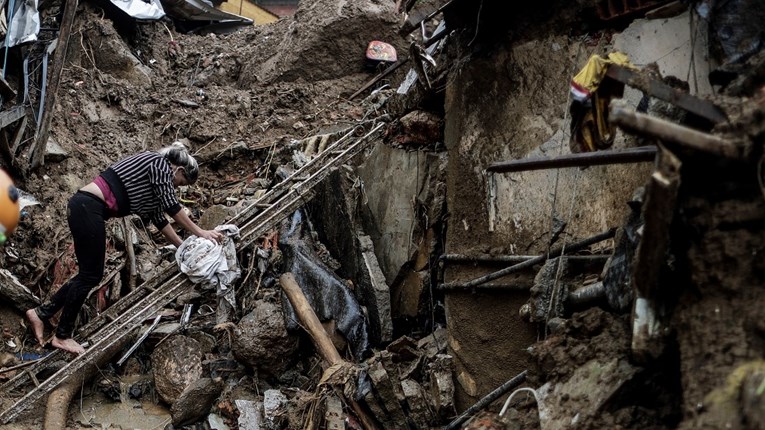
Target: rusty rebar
x=574 y=247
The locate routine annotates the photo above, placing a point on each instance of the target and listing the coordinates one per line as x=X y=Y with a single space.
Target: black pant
x=86 y=215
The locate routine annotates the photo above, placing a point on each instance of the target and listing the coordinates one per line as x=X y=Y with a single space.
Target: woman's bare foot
x=68 y=345
x=37 y=326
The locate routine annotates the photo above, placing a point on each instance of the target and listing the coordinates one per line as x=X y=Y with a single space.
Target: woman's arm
x=170 y=235
x=189 y=225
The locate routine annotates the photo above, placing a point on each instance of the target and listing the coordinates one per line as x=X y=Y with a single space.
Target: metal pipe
x=616 y=156
x=587 y=294
x=574 y=247
x=487 y=400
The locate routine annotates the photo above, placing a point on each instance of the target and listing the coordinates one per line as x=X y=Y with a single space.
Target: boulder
x=261 y=339
x=195 y=401
x=176 y=364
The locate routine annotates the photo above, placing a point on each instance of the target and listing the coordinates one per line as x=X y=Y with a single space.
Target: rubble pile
x=524 y=227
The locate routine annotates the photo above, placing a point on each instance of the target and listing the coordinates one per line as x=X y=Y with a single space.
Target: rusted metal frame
x=487 y=400
x=662 y=91
x=41 y=137
x=574 y=247
x=296 y=196
x=392 y=68
x=616 y=156
x=268 y=198
x=631 y=120
x=422 y=14
x=112 y=313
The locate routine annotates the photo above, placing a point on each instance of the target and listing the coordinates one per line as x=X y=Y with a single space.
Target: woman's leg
x=86 y=216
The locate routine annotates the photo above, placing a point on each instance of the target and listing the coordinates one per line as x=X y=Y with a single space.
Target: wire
x=510 y=397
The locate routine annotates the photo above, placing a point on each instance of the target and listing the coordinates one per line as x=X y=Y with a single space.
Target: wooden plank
x=631 y=120
x=11 y=115
x=18 y=134
x=597 y=158
x=662 y=91
x=41 y=137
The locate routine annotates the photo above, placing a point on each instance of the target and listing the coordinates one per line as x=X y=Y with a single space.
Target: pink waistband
x=110 y=200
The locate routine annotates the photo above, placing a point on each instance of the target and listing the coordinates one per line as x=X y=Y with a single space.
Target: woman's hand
x=213 y=235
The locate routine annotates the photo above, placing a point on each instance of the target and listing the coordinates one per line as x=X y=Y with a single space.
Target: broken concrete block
x=261 y=339
x=404 y=348
x=434 y=343
x=195 y=401
x=274 y=408
x=385 y=392
x=53 y=151
x=441 y=386
x=334 y=416
x=216 y=422
x=419 y=410
x=176 y=363
x=215 y=216
x=378 y=291
x=250 y=416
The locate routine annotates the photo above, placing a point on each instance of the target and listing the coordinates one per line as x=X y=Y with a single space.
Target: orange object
x=381 y=51
x=9 y=206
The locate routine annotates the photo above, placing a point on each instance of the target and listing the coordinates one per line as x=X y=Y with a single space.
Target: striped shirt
x=143 y=185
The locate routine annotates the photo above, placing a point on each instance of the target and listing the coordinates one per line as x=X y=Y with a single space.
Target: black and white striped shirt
x=143 y=185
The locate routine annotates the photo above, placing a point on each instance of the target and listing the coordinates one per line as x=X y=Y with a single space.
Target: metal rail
x=123 y=317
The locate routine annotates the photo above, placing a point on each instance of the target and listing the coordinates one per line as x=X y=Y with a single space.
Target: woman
x=142 y=184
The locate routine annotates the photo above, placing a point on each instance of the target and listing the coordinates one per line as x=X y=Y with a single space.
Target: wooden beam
x=11 y=115
x=631 y=120
x=662 y=91
x=41 y=137
x=616 y=156
x=310 y=322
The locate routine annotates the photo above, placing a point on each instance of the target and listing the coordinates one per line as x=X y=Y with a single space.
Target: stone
x=53 y=151
x=195 y=401
x=377 y=291
x=333 y=413
x=419 y=411
x=176 y=364
x=250 y=417
x=385 y=392
x=274 y=408
x=442 y=386
x=215 y=216
x=420 y=128
x=434 y=343
x=261 y=339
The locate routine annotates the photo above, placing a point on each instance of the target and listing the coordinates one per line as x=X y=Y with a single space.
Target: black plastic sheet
x=327 y=293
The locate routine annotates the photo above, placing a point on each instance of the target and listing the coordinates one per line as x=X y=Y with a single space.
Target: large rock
x=176 y=364
x=195 y=401
x=261 y=339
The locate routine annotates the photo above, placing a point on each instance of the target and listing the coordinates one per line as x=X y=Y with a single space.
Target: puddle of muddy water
x=99 y=412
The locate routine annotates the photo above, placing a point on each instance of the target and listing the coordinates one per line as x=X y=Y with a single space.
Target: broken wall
x=513 y=104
